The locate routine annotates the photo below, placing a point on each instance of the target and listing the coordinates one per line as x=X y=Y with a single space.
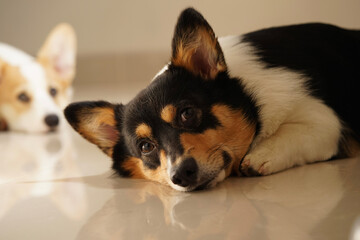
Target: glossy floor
x=58 y=186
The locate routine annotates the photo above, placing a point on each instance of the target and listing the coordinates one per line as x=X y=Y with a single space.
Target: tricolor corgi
x=34 y=91
x=254 y=104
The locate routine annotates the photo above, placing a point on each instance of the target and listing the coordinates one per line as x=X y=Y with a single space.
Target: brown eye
x=53 y=92
x=189 y=118
x=23 y=97
x=146 y=147
x=187 y=114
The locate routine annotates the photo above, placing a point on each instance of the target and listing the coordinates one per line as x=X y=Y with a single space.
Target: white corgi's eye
x=53 y=91
x=23 y=97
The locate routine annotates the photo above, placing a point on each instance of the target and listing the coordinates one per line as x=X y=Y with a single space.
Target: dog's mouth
x=192 y=176
x=53 y=129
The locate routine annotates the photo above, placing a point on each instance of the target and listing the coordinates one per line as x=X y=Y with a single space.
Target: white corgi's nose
x=52 y=120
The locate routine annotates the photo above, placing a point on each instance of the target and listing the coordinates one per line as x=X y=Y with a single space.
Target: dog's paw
x=255 y=165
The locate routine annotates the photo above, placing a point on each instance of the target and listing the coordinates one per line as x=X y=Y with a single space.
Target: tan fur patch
x=11 y=85
x=233 y=136
x=168 y=113
x=143 y=131
x=137 y=169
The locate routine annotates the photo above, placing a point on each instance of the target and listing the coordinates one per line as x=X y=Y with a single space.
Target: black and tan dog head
x=189 y=128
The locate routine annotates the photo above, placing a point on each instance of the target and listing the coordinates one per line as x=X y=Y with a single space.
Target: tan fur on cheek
x=137 y=169
x=233 y=136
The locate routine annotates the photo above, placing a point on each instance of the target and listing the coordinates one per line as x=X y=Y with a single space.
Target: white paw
x=257 y=164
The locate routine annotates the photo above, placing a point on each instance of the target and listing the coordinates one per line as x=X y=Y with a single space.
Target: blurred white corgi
x=33 y=91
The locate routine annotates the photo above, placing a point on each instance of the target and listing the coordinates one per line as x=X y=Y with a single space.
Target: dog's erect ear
x=1 y=69
x=98 y=122
x=59 y=51
x=195 y=46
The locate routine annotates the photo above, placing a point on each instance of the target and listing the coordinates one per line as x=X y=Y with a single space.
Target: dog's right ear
x=98 y=122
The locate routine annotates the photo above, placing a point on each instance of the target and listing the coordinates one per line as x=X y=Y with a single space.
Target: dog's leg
x=310 y=133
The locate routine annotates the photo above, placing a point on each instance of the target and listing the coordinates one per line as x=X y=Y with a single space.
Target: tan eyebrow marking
x=143 y=131
x=168 y=113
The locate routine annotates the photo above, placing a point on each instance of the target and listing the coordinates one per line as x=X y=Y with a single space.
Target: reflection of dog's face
x=254 y=211
x=35 y=165
x=35 y=156
x=33 y=92
x=189 y=129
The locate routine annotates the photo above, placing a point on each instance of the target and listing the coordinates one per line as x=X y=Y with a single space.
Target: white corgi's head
x=33 y=91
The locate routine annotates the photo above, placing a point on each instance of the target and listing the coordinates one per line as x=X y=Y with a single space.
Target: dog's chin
x=205 y=184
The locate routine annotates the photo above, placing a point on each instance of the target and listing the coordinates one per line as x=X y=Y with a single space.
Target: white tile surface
x=58 y=186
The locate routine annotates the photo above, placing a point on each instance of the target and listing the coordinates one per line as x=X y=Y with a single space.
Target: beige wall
x=112 y=30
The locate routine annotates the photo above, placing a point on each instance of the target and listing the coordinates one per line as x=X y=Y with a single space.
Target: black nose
x=52 y=120
x=186 y=174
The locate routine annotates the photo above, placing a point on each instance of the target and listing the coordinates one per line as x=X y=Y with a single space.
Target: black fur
x=182 y=89
x=334 y=59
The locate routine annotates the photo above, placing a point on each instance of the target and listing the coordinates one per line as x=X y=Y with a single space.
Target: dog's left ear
x=195 y=46
x=59 y=51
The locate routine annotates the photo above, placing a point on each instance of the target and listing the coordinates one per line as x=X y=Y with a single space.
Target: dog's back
x=327 y=55
x=325 y=58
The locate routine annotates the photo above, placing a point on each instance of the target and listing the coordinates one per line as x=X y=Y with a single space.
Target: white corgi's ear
x=98 y=122
x=1 y=69
x=195 y=46
x=59 y=51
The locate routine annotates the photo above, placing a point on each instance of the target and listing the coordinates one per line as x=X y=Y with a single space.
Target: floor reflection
x=28 y=166
x=289 y=204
